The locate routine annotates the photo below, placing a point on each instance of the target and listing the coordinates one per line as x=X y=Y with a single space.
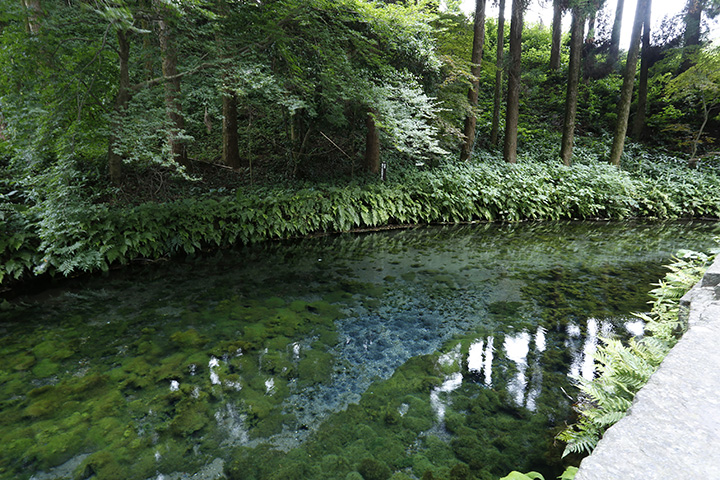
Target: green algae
x=133 y=388
x=315 y=366
x=45 y=368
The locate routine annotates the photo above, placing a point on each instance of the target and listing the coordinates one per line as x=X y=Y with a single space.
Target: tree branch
x=157 y=80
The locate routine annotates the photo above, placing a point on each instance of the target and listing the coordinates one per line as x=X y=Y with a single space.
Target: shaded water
x=431 y=353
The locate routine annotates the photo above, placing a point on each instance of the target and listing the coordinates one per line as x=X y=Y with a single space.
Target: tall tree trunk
x=230 y=137
x=115 y=159
x=639 y=122
x=589 y=48
x=499 y=69
x=230 y=140
x=693 y=19
x=513 y=97
x=476 y=59
x=556 y=35
x=576 y=45
x=628 y=83
x=615 y=35
x=372 y=145
x=591 y=27
x=172 y=91
x=34 y=13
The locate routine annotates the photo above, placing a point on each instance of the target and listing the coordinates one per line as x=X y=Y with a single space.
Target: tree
x=230 y=140
x=589 y=46
x=372 y=144
x=639 y=122
x=693 y=20
x=512 y=112
x=173 y=106
x=628 y=83
x=699 y=86
x=576 y=43
x=615 y=35
x=476 y=59
x=558 y=8
x=499 y=70
x=694 y=10
x=33 y=17
x=122 y=98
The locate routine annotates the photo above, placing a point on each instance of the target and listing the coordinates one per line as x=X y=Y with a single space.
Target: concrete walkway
x=673 y=429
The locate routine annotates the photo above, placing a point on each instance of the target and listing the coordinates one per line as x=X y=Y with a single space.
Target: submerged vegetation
x=428 y=353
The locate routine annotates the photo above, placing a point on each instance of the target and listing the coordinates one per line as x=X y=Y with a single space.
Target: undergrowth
x=63 y=230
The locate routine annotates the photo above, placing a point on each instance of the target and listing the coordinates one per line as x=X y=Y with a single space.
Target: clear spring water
x=428 y=353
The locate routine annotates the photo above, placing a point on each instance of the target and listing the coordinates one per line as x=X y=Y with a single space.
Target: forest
x=142 y=129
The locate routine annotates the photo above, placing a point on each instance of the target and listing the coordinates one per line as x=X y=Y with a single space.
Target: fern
x=623 y=369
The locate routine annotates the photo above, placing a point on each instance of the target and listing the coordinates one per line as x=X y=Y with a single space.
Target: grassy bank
x=66 y=232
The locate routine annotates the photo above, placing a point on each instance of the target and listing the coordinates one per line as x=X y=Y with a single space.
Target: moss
x=401 y=476
x=255 y=334
x=172 y=452
x=438 y=450
x=42 y=407
x=409 y=276
x=55 y=451
x=298 y=306
x=283 y=322
x=334 y=466
x=109 y=405
x=52 y=350
x=199 y=359
x=326 y=336
x=421 y=464
x=325 y=310
x=504 y=308
x=45 y=368
x=188 y=339
x=172 y=367
x=274 y=302
x=23 y=362
x=270 y=425
x=278 y=363
x=191 y=415
x=104 y=429
x=102 y=465
x=149 y=348
x=386 y=449
x=371 y=469
x=315 y=366
x=13 y=387
x=460 y=472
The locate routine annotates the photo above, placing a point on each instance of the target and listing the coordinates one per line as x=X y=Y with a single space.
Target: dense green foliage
x=624 y=368
x=66 y=235
x=118 y=87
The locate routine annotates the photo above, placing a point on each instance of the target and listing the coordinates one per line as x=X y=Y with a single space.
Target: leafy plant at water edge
x=56 y=228
x=568 y=474
x=624 y=369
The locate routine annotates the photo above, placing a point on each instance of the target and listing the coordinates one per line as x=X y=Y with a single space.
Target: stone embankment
x=672 y=431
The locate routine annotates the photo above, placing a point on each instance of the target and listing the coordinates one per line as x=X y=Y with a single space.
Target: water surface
x=439 y=352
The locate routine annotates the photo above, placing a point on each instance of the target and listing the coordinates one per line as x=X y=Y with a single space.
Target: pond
x=438 y=352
